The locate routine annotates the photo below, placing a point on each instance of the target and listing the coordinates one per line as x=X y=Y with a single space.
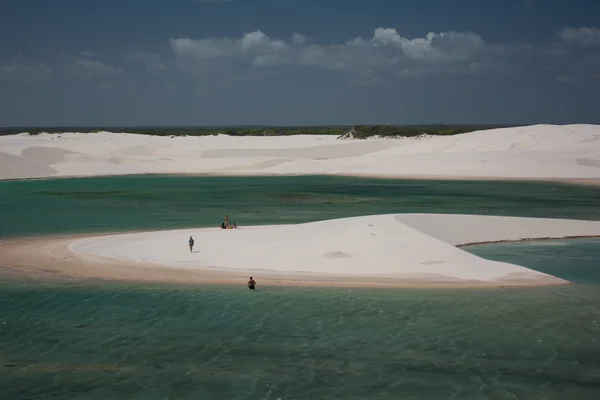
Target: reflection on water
x=117 y=341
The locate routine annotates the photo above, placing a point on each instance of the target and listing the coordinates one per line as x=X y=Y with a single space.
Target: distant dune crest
x=531 y=152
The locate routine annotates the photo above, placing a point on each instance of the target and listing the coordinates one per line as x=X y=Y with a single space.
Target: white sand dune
x=16 y=167
x=397 y=248
x=533 y=152
x=458 y=229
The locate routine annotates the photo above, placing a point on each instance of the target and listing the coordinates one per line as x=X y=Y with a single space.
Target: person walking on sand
x=251 y=284
x=191 y=243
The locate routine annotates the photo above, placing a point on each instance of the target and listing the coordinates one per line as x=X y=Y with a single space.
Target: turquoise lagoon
x=97 y=340
x=33 y=207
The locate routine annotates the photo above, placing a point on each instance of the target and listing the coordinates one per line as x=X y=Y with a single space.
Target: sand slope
x=403 y=248
x=533 y=152
x=458 y=229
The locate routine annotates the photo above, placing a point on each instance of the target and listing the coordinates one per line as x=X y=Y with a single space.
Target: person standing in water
x=251 y=284
x=191 y=243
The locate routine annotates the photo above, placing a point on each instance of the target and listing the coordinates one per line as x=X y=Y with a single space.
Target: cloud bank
x=572 y=54
x=388 y=55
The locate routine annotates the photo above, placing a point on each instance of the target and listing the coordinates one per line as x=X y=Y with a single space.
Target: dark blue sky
x=298 y=62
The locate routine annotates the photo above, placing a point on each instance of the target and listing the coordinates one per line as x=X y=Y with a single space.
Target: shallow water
x=574 y=260
x=101 y=340
x=123 y=341
x=158 y=342
x=160 y=202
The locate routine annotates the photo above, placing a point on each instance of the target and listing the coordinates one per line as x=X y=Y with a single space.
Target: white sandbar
x=401 y=247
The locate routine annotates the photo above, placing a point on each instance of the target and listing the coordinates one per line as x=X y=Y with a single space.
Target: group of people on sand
x=225 y=225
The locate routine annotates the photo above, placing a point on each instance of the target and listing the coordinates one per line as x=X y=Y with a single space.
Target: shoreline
x=51 y=259
x=568 y=181
x=541 y=239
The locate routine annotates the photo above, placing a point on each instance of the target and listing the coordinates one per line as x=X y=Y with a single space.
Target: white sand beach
x=555 y=152
x=401 y=250
x=402 y=247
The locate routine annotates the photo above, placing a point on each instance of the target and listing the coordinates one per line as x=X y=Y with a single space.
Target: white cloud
x=445 y=46
x=87 y=54
x=151 y=62
x=17 y=68
x=80 y=65
x=380 y=58
x=260 y=43
x=84 y=65
x=96 y=69
x=384 y=50
x=581 y=36
x=575 y=55
x=299 y=39
x=252 y=44
x=203 y=48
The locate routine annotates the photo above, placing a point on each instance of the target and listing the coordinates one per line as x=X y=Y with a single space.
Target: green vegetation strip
x=358 y=132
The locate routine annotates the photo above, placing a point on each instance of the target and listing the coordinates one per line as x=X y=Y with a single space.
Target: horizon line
x=279 y=126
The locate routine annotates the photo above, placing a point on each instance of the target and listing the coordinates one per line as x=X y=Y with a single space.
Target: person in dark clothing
x=191 y=243
x=251 y=284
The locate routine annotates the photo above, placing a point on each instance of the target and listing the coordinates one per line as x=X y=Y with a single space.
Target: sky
x=298 y=62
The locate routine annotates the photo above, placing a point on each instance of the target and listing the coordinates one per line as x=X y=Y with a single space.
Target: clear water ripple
x=65 y=340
